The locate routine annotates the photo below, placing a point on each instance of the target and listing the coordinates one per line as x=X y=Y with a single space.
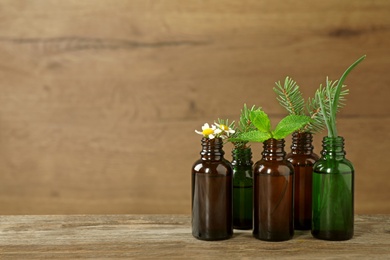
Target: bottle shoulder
x=324 y=165
x=212 y=167
x=283 y=167
x=302 y=159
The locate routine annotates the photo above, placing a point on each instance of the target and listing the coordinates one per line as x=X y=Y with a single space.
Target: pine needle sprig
x=317 y=125
x=314 y=109
x=290 y=97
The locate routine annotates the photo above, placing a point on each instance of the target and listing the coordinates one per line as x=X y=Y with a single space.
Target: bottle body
x=333 y=193
x=242 y=188
x=302 y=158
x=273 y=185
x=212 y=185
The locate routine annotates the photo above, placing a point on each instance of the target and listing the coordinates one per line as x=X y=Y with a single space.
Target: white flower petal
x=211 y=136
x=205 y=126
x=198 y=132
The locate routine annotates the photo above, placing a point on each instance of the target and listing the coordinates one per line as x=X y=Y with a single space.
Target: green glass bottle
x=333 y=193
x=242 y=188
x=212 y=193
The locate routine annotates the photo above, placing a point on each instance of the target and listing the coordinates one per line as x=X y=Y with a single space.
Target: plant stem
x=335 y=100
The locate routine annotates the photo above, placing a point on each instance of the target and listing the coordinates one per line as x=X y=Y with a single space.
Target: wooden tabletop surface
x=169 y=236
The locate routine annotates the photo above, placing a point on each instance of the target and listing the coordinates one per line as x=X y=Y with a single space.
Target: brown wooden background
x=99 y=99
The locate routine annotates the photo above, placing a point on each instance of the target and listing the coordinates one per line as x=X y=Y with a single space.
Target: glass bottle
x=333 y=193
x=273 y=187
x=303 y=159
x=212 y=185
x=242 y=188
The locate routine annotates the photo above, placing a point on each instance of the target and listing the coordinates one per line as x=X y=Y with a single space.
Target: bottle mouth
x=242 y=156
x=273 y=144
x=302 y=142
x=333 y=141
x=212 y=148
x=214 y=140
x=273 y=141
x=333 y=146
x=273 y=149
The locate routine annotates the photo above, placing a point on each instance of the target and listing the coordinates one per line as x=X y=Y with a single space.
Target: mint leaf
x=289 y=124
x=251 y=136
x=261 y=121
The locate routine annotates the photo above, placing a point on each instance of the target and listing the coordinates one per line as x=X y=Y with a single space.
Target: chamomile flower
x=225 y=129
x=209 y=131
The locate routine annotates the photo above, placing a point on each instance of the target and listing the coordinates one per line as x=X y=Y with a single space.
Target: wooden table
x=168 y=236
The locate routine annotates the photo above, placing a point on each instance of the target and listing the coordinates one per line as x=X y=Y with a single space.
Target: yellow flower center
x=207 y=131
x=224 y=127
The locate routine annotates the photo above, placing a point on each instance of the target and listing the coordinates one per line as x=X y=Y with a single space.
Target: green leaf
x=335 y=98
x=341 y=81
x=290 y=124
x=261 y=121
x=251 y=136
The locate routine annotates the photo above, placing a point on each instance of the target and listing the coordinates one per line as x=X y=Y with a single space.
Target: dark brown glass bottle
x=303 y=159
x=273 y=189
x=212 y=185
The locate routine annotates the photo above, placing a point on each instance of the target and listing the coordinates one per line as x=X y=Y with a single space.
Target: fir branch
x=321 y=100
x=290 y=97
x=313 y=105
x=317 y=124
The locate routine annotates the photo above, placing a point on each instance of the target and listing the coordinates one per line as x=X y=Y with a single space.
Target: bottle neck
x=212 y=149
x=273 y=150
x=333 y=148
x=242 y=156
x=302 y=143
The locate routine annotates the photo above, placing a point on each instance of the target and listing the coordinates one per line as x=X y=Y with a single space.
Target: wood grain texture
x=169 y=236
x=99 y=99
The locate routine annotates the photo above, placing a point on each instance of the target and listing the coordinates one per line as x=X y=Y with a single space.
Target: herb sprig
x=263 y=131
x=290 y=97
x=244 y=125
x=322 y=109
x=331 y=99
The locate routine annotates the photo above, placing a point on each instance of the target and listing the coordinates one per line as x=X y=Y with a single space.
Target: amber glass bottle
x=242 y=188
x=273 y=186
x=333 y=193
x=303 y=159
x=212 y=185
